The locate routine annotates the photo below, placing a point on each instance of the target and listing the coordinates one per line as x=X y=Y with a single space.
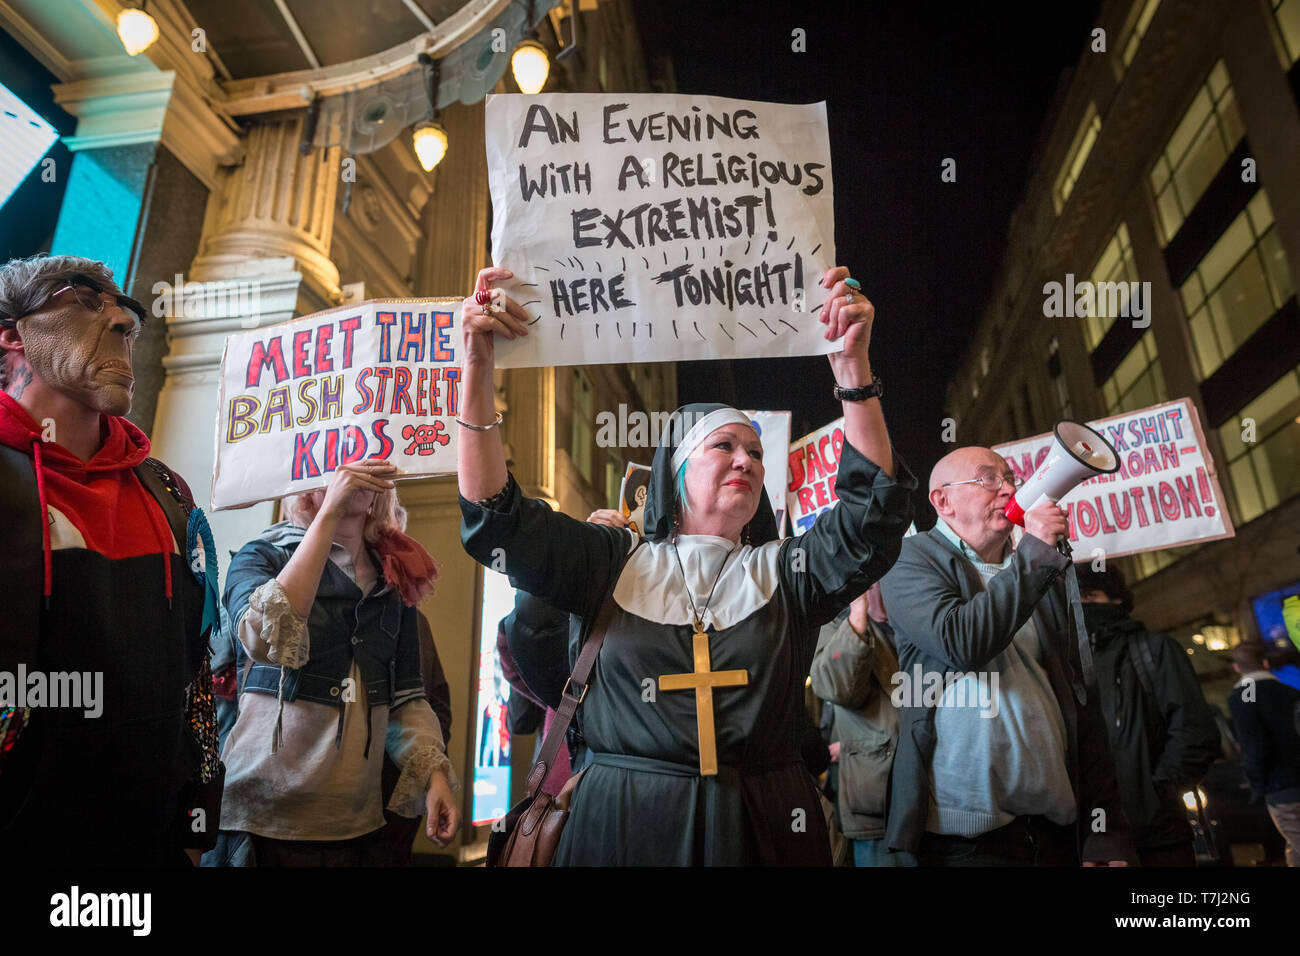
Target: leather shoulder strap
x=164 y=487
x=21 y=560
x=578 y=681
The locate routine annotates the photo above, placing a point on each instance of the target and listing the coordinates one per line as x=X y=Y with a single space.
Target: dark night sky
x=906 y=85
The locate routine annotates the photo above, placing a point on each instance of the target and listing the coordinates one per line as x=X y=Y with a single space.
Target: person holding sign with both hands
x=691 y=711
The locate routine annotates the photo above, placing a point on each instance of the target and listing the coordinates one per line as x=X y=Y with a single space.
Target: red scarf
x=407 y=566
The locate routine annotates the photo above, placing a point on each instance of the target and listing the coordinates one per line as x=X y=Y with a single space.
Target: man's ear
x=939 y=501
x=10 y=340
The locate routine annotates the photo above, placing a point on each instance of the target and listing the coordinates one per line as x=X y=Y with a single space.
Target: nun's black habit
x=643 y=800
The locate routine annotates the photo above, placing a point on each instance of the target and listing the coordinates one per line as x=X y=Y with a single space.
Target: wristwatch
x=861 y=394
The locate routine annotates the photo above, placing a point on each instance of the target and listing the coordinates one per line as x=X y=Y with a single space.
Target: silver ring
x=848 y=298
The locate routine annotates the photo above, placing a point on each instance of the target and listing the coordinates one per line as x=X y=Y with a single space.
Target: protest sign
x=814 y=461
x=660 y=227
x=632 y=495
x=378 y=379
x=1165 y=494
x=774 y=432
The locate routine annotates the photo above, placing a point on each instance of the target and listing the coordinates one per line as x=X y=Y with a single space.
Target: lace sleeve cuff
x=412 y=786
x=283 y=631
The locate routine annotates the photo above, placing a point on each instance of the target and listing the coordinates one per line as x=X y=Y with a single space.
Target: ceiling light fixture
x=136 y=29
x=429 y=138
x=530 y=62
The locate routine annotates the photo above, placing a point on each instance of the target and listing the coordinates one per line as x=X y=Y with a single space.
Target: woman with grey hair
x=692 y=715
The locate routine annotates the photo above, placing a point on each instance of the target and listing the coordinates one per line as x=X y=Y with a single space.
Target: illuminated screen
x=491 y=738
x=24 y=139
x=1278 y=615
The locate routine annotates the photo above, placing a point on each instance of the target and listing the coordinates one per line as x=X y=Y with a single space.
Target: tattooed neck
x=20 y=378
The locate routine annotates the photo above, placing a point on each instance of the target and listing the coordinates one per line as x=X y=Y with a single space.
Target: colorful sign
x=814 y=461
x=1165 y=494
x=632 y=495
x=491 y=792
x=379 y=379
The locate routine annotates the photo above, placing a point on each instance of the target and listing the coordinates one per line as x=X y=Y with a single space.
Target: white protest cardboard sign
x=774 y=432
x=814 y=462
x=660 y=227
x=378 y=379
x=1165 y=494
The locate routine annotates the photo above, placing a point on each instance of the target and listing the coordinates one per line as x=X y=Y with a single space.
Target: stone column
x=277 y=203
x=263 y=259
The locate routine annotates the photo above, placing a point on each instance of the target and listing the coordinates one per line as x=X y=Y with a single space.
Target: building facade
x=196 y=171
x=1171 y=156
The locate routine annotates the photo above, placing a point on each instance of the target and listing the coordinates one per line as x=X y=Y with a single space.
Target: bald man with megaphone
x=1027 y=780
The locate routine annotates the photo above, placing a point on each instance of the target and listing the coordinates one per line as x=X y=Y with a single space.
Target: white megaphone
x=1077 y=453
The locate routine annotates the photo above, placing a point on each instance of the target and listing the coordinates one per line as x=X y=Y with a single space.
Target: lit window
x=1115 y=265
x=614 y=471
x=1056 y=373
x=583 y=418
x=1202 y=140
x=1075 y=159
x=1265 y=471
x=1147 y=563
x=1287 y=13
x=1137 y=382
x=1237 y=286
x=24 y=139
x=1131 y=42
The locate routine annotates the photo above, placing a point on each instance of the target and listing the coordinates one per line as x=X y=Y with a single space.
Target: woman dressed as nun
x=692 y=714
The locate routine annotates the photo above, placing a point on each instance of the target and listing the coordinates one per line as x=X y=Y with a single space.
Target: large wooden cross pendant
x=702 y=681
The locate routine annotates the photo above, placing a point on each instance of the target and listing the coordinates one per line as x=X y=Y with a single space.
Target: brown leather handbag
x=529 y=834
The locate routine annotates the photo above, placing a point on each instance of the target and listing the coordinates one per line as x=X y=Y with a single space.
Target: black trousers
x=237 y=848
x=1025 y=841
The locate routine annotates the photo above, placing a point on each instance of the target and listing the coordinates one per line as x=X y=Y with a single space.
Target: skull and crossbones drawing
x=424 y=439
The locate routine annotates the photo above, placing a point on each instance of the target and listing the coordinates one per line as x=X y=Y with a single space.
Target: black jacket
x=1162 y=732
x=1266 y=728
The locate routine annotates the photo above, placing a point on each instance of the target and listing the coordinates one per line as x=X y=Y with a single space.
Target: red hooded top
x=99 y=505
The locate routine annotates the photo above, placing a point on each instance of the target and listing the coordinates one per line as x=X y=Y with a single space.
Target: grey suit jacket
x=946 y=619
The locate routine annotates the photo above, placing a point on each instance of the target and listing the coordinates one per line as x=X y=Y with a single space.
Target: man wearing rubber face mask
x=112 y=576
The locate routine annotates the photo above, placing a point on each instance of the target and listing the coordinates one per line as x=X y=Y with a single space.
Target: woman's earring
x=744 y=536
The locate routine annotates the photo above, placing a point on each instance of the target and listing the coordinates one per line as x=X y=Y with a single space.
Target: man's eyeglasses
x=90 y=298
x=989 y=482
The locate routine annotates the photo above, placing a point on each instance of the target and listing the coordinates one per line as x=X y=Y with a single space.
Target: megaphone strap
x=1081 y=632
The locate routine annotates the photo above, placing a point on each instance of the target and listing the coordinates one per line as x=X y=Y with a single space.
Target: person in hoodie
x=1266 y=715
x=110 y=591
x=324 y=606
x=1162 y=732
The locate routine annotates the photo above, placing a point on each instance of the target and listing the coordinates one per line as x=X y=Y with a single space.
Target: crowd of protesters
x=302 y=717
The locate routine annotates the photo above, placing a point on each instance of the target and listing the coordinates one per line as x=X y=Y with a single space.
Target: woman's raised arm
x=480 y=458
x=849 y=313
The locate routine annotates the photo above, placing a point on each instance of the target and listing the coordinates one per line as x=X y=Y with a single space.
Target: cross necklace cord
x=698 y=615
x=702 y=680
